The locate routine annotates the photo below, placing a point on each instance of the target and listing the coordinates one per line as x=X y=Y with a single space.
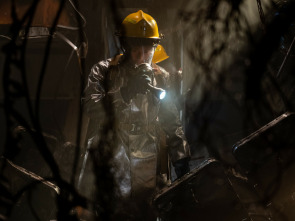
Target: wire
x=34 y=176
x=79 y=13
x=68 y=27
x=61 y=36
x=286 y=57
x=4 y=36
x=261 y=13
x=83 y=18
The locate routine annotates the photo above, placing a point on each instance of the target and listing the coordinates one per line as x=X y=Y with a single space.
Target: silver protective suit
x=138 y=123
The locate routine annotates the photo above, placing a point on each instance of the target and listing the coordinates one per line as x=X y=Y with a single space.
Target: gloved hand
x=181 y=167
x=144 y=68
x=136 y=84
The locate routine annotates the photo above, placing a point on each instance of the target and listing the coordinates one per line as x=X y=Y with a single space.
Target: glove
x=181 y=167
x=136 y=84
x=144 y=68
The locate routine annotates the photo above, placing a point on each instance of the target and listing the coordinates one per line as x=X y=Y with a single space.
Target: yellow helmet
x=140 y=25
x=160 y=54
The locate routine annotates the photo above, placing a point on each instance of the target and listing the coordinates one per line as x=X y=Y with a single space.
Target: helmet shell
x=139 y=25
x=160 y=54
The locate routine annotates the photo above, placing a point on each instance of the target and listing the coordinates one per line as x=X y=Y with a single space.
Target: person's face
x=142 y=54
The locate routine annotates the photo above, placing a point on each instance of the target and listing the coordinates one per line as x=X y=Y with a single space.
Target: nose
x=138 y=56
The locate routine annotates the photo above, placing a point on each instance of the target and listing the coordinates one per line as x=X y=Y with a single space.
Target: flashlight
x=158 y=92
x=145 y=68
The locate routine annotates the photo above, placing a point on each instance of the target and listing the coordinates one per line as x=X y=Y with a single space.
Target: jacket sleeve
x=93 y=93
x=169 y=119
x=104 y=79
x=95 y=90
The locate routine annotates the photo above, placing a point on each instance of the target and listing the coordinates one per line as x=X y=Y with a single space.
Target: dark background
x=230 y=86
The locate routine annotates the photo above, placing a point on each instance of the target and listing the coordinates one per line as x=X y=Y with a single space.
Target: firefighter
x=136 y=88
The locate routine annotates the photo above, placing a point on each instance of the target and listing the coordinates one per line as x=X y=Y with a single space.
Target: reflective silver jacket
x=138 y=123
